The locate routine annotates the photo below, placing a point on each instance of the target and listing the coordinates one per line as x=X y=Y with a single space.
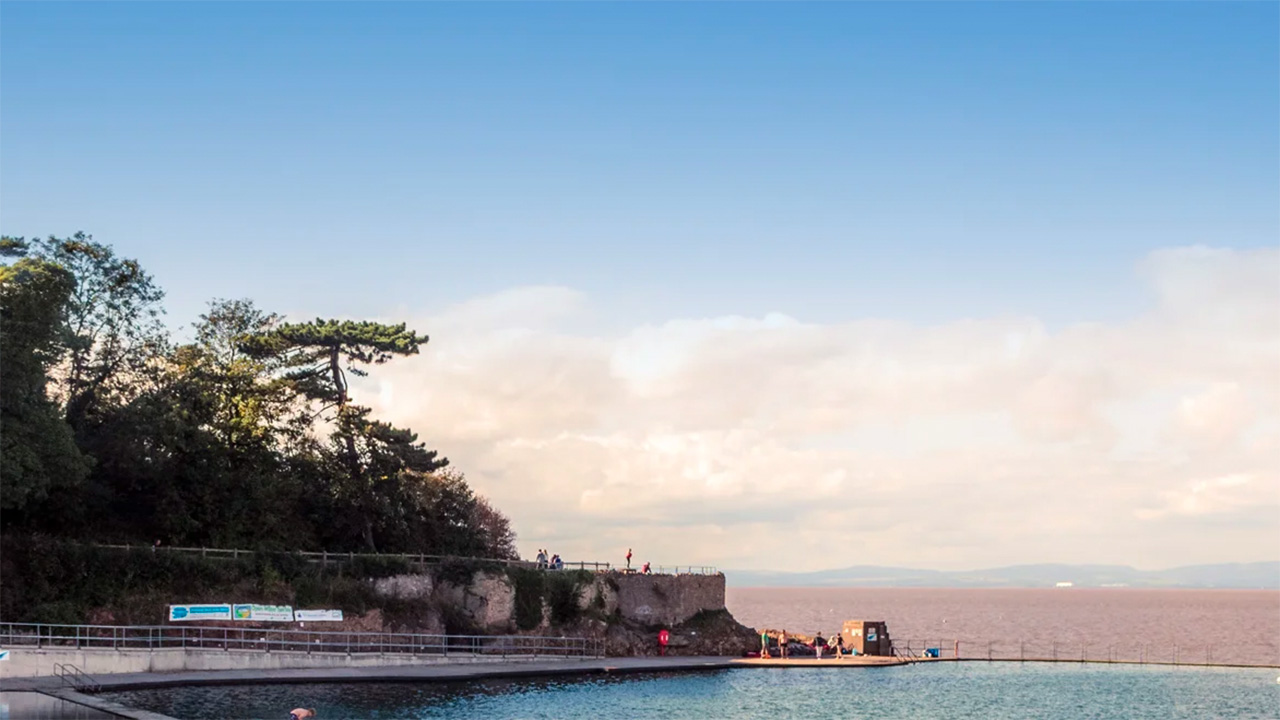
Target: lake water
x=1239 y=626
x=957 y=691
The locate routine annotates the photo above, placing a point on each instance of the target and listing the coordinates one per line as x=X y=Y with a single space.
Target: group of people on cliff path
x=549 y=562
x=819 y=644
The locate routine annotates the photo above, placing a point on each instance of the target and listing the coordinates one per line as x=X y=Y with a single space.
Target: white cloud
x=773 y=442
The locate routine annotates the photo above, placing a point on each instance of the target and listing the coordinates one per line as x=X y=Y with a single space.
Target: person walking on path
x=628 y=558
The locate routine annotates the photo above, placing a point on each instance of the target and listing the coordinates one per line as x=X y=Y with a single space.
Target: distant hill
x=1264 y=575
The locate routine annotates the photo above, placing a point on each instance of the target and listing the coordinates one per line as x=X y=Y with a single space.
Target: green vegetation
x=558 y=591
x=245 y=436
x=51 y=580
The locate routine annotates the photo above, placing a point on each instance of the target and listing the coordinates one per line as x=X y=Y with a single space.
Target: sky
x=761 y=286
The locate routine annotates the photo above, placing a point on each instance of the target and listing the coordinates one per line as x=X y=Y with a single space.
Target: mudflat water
x=957 y=691
x=1235 y=626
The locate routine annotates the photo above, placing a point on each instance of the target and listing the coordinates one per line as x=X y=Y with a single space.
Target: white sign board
x=199 y=612
x=264 y=613
x=4 y=654
x=317 y=615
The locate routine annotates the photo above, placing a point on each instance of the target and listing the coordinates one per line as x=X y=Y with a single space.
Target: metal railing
x=324 y=558
x=1235 y=654
x=75 y=678
x=673 y=570
x=163 y=637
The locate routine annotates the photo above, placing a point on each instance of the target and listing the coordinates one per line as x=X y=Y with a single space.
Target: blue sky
x=827 y=160
x=722 y=276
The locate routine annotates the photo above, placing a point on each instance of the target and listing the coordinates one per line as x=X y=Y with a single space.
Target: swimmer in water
x=301 y=713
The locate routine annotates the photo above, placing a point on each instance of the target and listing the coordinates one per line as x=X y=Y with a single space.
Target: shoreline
x=464 y=672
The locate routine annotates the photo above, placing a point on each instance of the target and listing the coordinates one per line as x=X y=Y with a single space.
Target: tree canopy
x=244 y=436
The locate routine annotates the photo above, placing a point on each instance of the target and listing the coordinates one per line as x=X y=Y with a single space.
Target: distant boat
x=1065 y=584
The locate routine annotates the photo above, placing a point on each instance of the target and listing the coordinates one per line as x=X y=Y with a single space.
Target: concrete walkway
x=426 y=672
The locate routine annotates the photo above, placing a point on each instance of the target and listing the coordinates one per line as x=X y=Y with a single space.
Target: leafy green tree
x=37 y=450
x=371 y=455
x=113 y=329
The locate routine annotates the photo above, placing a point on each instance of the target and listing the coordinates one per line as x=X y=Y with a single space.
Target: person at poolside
x=301 y=713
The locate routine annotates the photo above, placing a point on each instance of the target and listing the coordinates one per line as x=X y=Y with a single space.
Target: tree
x=372 y=455
x=112 y=330
x=495 y=530
x=37 y=450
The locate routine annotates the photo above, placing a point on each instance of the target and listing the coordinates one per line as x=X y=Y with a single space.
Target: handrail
x=76 y=678
x=325 y=557
x=1050 y=650
x=686 y=570
x=161 y=637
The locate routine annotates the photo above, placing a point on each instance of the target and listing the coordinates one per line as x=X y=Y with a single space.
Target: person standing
x=840 y=646
x=782 y=644
x=628 y=558
x=764 y=643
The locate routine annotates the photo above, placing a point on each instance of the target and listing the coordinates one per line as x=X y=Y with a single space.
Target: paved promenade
x=432 y=672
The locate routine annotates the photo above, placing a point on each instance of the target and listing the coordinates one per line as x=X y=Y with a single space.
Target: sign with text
x=264 y=613
x=317 y=615
x=199 y=612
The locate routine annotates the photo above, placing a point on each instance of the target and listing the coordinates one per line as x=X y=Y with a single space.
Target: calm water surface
x=1223 y=625
x=956 y=691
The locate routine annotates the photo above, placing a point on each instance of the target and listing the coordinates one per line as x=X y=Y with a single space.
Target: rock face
x=666 y=599
x=488 y=601
x=624 y=610
x=404 y=587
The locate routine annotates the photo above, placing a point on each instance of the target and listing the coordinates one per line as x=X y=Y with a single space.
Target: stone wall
x=488 y=600
x=666 y=599
x=24 y=662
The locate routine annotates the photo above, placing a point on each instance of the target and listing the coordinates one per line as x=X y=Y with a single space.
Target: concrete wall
x=667 y=599
x=39 y=663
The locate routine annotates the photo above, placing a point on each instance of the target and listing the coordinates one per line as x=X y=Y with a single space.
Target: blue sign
x=199 y=612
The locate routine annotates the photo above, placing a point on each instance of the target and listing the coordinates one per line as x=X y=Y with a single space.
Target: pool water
x=942 y=690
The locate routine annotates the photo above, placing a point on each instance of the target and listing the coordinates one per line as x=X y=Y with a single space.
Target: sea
x=1155 y=628
x=1182 y=625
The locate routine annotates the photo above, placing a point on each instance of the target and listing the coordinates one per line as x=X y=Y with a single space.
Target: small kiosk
x=867 y=637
